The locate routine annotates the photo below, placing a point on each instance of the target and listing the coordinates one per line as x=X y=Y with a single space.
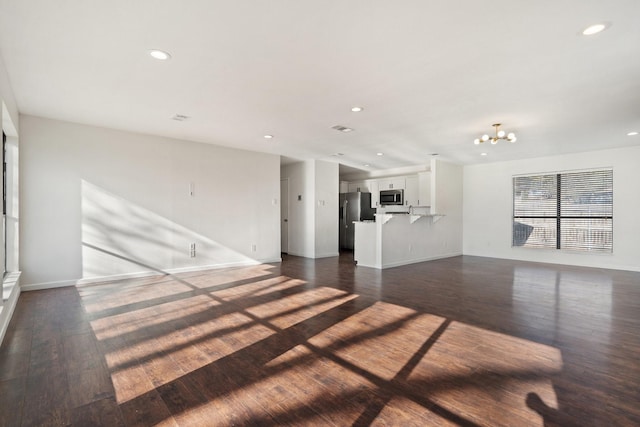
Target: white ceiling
x=431 y=75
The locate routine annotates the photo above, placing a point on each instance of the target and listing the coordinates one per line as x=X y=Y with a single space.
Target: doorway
x=284 y=215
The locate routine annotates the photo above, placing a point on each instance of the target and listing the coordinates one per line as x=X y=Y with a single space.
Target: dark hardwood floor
x=462 y=341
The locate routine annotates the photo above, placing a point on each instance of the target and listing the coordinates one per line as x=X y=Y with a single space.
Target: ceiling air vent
x=342 y=128
x=180 y=117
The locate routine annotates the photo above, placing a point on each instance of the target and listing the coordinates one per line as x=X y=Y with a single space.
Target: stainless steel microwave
x=391 y=197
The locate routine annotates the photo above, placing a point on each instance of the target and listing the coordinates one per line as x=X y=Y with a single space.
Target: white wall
x=97 y=202
x=447 y=199
x=313 y=208
x=326 y=209
x=488 y=208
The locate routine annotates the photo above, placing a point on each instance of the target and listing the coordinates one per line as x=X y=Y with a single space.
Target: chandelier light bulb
x=497 y=136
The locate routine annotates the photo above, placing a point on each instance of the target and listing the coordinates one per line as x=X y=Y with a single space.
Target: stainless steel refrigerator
x=353 y=207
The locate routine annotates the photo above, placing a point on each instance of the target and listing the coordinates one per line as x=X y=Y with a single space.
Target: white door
x=284 y=215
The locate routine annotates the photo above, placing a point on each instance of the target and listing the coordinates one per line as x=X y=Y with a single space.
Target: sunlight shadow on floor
x=343 y=358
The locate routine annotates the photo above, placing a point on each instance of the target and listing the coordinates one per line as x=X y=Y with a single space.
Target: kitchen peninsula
x=398 y=239
x=420 y=233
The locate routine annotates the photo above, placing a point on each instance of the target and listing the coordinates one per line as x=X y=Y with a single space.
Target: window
x=569 y=210
x=4 y=204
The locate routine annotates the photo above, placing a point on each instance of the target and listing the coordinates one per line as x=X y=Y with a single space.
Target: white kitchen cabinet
x=411 y=197
x=344 y=186
x=424 y=189
x=374 y=189
x=396 y=183
x=358 y=186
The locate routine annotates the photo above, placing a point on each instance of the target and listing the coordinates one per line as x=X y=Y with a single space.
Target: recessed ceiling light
x=356 y=109
x=366 y=165
x=160 y=55
x=483 y=154
x=268 y=136
x=379 y=154
x=632 y=133
x=595 y=29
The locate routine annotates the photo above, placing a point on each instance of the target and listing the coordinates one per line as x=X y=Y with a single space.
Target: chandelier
x=499 y=134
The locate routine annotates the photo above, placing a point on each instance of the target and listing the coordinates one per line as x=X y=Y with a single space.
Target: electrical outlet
x=192 y=250
x=254 y=248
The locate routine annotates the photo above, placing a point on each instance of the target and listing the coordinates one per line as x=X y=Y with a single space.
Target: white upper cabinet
x=374 y=189
x=358 y=186
x=396 y=183
x=411 y=197
x=417 y=188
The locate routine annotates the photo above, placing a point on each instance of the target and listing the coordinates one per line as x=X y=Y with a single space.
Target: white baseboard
x=325 y=255
x=591 y=260
x=8 y=306
x=294 y=253
x=140 y=274
x=417 y=260
x=328 y=255
x=47 y=285
x=359 y=264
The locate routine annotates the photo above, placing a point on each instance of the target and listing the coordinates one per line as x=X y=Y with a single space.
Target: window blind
x=535 y=211
x=572 y=210
x=586 y=210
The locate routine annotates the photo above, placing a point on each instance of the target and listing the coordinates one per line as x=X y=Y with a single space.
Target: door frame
x=284 y=221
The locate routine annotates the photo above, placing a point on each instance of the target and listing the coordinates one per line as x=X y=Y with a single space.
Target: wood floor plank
x=46 y=400
x=12 y=394
x=146 y=410
x=103 y=412
x=460 y=341
x=13 y=365
x=89 y=385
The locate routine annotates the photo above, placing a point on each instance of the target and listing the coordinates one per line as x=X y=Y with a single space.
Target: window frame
x=559 y=215
x=4 y=204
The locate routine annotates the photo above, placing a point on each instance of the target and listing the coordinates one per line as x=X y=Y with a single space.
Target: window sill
x=9 y=282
